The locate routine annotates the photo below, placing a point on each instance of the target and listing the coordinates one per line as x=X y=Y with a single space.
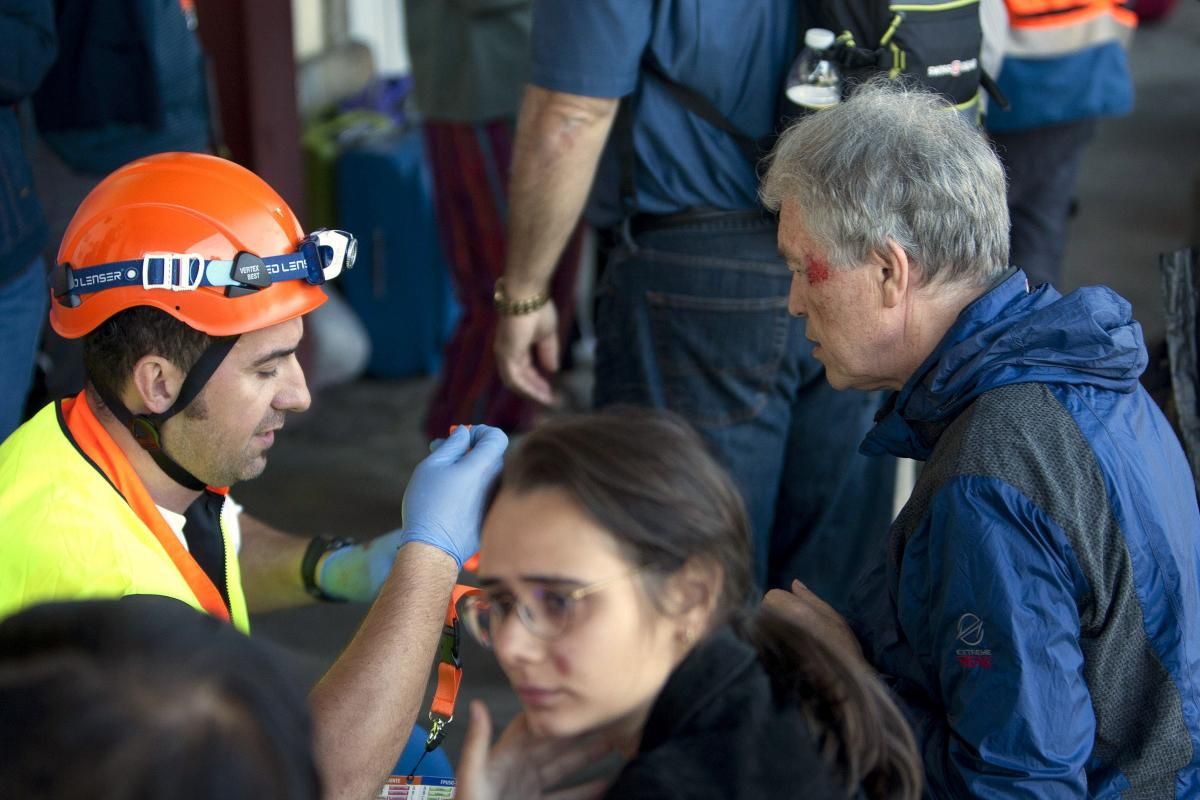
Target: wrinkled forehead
x=795 y=240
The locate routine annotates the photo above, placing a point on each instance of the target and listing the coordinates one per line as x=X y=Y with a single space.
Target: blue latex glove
x=443 y=504
x=443 y=507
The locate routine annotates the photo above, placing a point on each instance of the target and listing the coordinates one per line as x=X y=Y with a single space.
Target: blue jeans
x=22 y=313
x=695 y=319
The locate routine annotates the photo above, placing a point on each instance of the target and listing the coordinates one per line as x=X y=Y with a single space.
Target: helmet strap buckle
x=176 y=271
x=62 y=283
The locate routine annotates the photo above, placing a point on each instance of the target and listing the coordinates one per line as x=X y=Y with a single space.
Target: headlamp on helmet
x=322 y=256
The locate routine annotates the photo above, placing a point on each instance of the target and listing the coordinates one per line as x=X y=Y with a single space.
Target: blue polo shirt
x=735 y=52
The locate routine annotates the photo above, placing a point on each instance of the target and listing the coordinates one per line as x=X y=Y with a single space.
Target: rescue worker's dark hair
x=145 y=698
x=115 y=346
x=650 y=481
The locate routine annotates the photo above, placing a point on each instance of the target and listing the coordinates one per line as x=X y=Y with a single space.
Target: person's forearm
x=364 y=708
x=270 y=563
x=558 y=144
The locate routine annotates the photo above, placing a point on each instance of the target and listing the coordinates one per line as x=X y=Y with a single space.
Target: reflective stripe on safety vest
x=1049 y=28
x=1064 y=61
x=77 y=522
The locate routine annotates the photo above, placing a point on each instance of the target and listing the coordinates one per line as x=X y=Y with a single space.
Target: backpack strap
x=702 y=107
x=691 y=100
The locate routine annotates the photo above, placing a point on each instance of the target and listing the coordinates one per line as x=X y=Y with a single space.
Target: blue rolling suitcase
x=400 y=285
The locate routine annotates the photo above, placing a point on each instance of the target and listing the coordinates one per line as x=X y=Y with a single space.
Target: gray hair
x=894 y=162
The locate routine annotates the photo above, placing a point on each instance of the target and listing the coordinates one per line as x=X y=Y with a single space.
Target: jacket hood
x=1012 y=335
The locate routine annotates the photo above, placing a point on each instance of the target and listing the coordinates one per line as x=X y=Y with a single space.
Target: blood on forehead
x=817 y=271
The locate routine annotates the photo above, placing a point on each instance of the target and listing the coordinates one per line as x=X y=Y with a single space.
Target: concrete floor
x=343 y=466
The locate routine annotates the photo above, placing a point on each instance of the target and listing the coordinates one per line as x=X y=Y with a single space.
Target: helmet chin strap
x=147 y=428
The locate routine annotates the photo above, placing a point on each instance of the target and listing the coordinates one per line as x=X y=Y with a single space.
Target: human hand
x=807 y=610
x=357 y=572
x=443 y=504
x=519 y=338
x=523 y=766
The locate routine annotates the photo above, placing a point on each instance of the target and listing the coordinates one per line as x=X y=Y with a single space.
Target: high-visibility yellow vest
x=76 y=522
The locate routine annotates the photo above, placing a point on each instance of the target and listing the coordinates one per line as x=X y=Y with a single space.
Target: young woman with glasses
x=617 y=595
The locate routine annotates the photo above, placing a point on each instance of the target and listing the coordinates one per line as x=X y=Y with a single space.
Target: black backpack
x=931 y=43
x=934 y=43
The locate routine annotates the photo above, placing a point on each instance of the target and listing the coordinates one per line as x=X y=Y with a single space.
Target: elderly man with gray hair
x=1038 y=608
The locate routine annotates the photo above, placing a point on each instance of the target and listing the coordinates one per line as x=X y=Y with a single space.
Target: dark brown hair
x=648 y=478
x=144 y=697
x=115 y=346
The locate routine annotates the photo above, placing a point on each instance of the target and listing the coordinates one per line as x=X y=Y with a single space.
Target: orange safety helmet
x=199 y=237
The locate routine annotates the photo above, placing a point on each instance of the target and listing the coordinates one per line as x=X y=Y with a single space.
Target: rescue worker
x=1064 y=69
x=187 y=277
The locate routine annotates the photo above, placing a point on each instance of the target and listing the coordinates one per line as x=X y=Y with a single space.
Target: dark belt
x=645 y=223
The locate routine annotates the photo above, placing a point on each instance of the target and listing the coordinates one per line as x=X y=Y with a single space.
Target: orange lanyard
x=449 y=671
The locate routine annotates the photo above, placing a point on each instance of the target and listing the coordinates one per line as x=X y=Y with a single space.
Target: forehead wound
x=817 y=270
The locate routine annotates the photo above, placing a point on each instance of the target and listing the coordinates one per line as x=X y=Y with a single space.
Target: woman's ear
x=692 y=596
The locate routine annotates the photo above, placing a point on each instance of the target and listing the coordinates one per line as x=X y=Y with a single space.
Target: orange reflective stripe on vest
x=96 y=443
x=1047 y=13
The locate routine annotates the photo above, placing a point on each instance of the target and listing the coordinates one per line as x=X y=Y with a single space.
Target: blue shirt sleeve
x=999 y=629
x=589 y=47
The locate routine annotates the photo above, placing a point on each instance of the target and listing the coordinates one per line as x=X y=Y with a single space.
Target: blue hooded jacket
x=1038 y=612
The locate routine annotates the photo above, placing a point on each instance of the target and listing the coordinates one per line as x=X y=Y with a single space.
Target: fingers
x=488 y=440
x=472 y=764
x=526 y=380
x=516 y=339
x=585 y=791
x=519 y=374
x=559 y=759
x=480 y=442
x=452 y=447
x=785 y=602
x=813 y=601
x=547 y=352
x=808 y=610
x=486 y=456
x=796 y=608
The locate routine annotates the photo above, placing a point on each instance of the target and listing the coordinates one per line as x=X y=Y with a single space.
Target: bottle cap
x=818 y=38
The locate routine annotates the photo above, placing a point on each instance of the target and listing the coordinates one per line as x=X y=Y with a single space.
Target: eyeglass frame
x=472 y=600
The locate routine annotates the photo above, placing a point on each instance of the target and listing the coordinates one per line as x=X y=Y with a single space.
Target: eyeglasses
x=547 y=613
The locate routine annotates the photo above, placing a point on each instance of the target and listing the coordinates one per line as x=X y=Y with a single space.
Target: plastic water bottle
x=815 y=81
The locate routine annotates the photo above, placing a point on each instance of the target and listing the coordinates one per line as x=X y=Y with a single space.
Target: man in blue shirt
x=692 y=304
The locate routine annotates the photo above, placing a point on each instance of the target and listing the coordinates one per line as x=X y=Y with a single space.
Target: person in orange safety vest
x=188 y=277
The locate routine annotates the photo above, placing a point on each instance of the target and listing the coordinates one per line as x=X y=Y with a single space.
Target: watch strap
x=317 y=547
